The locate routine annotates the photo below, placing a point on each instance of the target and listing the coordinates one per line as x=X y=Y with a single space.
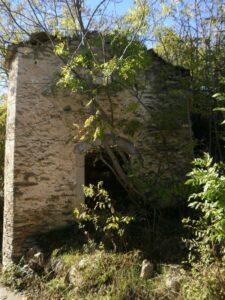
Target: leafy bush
x=103 y=217
x=18 y=277
x=205 y=284
x=209 y=201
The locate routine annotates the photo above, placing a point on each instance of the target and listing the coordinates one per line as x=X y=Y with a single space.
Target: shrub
x=106 y=221
x=208 y=227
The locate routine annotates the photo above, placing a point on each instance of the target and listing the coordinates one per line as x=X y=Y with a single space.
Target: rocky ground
x=6 y=294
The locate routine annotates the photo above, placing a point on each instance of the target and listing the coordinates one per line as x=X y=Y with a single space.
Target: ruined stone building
x=44 y=172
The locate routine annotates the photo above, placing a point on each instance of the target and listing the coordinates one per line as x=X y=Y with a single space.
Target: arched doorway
x=97 y=170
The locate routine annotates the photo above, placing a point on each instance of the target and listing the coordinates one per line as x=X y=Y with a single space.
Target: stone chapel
x=44 y=173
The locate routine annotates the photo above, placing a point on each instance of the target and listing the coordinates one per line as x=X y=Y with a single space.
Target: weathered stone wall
x=44 y=173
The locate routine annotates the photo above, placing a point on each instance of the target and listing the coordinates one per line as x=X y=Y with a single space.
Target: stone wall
x=44 y=172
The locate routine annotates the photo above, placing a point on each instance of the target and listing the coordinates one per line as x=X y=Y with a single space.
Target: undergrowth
x=94 y=274
x=87 y=269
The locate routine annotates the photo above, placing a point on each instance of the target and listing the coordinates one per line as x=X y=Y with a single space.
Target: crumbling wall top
x=39 y=39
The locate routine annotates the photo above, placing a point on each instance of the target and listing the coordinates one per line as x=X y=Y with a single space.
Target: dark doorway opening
x=96 y=170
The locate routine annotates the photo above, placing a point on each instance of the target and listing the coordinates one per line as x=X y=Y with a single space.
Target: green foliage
x=133 y=106
x=107 y=222
x=170 y=46
x=132 y=126
x=108 y=275
x=59 y=286
x=109 y=60
x=205 y=283
x=17 y=277
x=209 y=202
x=87 y=69
x=190 y=44
x=221 y=98
x=136 y=20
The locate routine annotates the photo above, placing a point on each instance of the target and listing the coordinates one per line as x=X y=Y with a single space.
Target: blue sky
x=121 y=5
x=117 y=7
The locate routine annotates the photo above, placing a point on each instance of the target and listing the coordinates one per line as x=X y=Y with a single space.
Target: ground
x=6 y=294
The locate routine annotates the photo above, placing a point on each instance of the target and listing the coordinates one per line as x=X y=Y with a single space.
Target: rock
x=6 y=294
x=39 y=258
x=82 y=264
x=30 y=253
x=27 y=271
x=147 y=269
x=173 y=283
x=34 y=258
x=74 y=277
x=57 y=265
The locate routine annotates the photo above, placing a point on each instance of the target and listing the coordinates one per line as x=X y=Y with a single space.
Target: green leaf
x=133 y=106
x=99 y=133
x=88 y=122
x=219 y=109
x=220 y=97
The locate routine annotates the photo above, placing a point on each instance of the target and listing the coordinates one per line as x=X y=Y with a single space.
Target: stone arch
x=97 y=169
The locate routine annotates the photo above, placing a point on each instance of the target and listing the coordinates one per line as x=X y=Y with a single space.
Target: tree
x=197 y=43
x=121 y=53
x=121 y=42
